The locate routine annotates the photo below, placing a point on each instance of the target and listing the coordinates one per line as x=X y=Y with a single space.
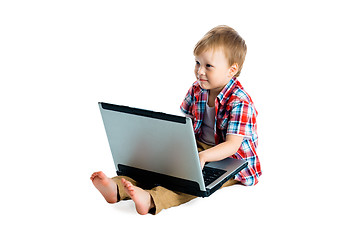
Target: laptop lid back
x=162 y=145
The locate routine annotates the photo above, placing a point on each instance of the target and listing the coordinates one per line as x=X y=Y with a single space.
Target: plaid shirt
x=235 y=113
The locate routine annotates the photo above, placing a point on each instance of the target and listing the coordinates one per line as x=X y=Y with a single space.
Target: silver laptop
x=156 y=148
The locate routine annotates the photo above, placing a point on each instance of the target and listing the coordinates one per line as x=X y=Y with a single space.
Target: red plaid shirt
x=235 y=113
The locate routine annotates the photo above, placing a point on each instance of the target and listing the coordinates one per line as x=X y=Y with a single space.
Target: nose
x=201 y=71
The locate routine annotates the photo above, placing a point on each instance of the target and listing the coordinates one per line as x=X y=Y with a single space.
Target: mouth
x=202 y=80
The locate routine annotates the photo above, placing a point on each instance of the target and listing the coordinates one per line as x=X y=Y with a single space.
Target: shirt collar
x=228 y=87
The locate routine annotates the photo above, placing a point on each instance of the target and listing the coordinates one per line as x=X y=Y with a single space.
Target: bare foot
x=142 y=199
x=106 y=186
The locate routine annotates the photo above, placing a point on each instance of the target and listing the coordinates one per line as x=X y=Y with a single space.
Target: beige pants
x=164 y=198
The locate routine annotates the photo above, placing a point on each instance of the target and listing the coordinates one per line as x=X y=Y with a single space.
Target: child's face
x=212 y=70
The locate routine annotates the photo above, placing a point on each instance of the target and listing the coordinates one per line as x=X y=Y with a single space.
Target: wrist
x=203 y=157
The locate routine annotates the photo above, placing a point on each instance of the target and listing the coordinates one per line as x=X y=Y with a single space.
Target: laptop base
x=149 y=179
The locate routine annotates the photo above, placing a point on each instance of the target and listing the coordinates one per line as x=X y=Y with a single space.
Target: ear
x=233 y=69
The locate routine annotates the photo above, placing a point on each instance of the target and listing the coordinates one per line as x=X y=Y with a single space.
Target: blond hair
x=227 y=39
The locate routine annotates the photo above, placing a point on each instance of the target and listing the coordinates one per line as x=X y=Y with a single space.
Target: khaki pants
x=164 y=198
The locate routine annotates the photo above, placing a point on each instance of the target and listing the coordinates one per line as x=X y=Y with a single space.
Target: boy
x=224 y=120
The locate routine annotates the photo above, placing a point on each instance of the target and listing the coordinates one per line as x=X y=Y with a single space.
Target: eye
x=208 y=65
x=197 y=63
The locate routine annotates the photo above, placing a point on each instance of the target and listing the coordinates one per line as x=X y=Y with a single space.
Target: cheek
x=209 y=75
x=196 y=69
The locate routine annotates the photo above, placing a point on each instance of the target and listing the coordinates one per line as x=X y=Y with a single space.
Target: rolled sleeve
x=240 y=120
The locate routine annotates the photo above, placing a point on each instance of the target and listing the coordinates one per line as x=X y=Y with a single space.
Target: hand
x=202 y=160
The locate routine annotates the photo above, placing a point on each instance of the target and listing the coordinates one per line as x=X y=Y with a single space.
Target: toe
x=93 y=176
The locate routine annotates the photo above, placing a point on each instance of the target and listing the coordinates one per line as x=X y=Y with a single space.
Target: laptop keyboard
x=211 y=174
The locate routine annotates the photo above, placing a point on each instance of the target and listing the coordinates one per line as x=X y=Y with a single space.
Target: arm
x=187 y=104
x=221 y=151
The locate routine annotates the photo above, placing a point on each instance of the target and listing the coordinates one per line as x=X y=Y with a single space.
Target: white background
x=58 y=59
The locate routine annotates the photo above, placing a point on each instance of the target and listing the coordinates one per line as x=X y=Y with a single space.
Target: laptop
x=156 y=148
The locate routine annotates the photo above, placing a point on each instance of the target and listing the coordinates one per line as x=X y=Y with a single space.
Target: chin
x=204 y=85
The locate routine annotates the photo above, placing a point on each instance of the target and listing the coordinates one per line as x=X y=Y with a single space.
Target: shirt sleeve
x=250 y=175
x=186 y=105
x=241 y=120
